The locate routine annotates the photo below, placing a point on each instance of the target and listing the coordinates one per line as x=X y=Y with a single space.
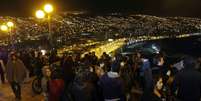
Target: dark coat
x=68 y=71
x=188 y=83
x=153 y=97
x=83 y=87
x=112 y=86
x=16 y=71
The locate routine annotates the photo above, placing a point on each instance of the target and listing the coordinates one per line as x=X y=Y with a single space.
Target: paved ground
x=6 y=93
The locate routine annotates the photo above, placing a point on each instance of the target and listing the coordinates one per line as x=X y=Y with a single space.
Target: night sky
x=191 y=8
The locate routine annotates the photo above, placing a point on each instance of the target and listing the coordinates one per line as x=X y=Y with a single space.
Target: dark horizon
x=26 y=8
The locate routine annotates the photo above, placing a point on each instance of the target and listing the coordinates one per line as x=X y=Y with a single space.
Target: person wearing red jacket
x=56 y=87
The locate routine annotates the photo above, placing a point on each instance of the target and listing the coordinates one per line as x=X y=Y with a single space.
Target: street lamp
x=10 y=26
x=40 y=14
x=4 y=28
x=48 y=8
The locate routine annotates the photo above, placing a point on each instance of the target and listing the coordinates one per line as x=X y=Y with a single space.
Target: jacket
x=16 y=71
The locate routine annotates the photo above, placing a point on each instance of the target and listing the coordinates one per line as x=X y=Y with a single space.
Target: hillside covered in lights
x=66 y=25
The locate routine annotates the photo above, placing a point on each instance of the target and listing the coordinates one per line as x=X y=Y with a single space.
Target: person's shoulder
x=155 y=98
x=198 y=73
x=179 y=74
x=57 y=82
x=103 y=76
x=19 y=60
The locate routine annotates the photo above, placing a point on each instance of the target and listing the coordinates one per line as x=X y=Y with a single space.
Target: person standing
x=16 y=73
x=187 y=83
x=157 y=94
x=112 y=86
x=2 y=70
x=146 y=79
x=45 y=82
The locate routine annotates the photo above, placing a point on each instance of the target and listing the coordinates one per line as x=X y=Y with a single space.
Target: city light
x=4 y=28
x=40 y=14
x=110 y=40
x=48 y=8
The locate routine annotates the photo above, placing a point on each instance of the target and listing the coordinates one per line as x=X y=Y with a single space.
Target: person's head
x=46 y=71
x=86 y=55
x=189 y=62
x=13 y=56
x=40 y=54
x=69 y=58
x=115 y=68
x=93 y=53
x=138 y=54
x=99 y=71
x=90 y=53
x=91 y=68
x=157 y=83
x=104 y=54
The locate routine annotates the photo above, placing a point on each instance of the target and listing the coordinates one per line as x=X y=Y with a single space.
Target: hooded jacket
x=16 y=71
x=112 y=87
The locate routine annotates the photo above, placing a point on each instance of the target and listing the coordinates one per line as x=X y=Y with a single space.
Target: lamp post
x=8 y=28
x=40 y=14
x=48 y=8
x=10 y=24
x=4 y=28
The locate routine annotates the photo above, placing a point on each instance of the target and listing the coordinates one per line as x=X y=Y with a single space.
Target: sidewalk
x=6 y=93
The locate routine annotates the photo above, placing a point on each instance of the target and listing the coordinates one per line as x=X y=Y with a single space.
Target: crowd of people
x=135 y=77
x=108 y=78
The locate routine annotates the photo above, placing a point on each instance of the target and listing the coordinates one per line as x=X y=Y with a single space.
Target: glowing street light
x=40 y=14
x=48 y=8
x=10 y=24
x=7 y=27
x=4 y=28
